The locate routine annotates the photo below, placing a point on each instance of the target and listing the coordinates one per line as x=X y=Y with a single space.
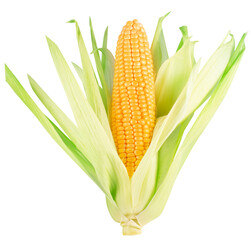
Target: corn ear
x=135 y=200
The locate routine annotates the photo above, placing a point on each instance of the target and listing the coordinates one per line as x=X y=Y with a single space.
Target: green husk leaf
x=168 y=150
x=107 y=62
x=115 y=212
x=105 y=40
x=81 y=75
x=172 y=77
x=87 y=166
x=143 y=192
x=65 y=123
x=158 y=48
x=60 y=138
x=100 y=70
x=93 y=39
x=157 y=203
x=108 y=68
x=184 y=32
x=238 y=51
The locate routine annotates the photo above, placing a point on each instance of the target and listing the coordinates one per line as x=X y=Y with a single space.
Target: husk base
x=131 y=227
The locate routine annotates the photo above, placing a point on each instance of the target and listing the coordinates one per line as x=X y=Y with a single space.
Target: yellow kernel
x=121 y=141
x=146 y=130
x=137 y=113
x=131 y=87
x=133 y=122
x=128 y=128
x=146 y=135
x=139 y=148
x=137 y=130
x=141 y=92
x=130 y=169
x=133 y=100
x=126 y=119
x=121 y=137
x=138 y=152
x=128 y=132
x=135 y=108
x=127 y=50
x=131 y=159
x=139 y=157
x=121 y=150
x=121 y=132
x=124 y=106
x=135 y=83
x=147 y=140
x=134 y=40
x=132 y=92
x=138 y=138
x=136 y=117
x=129 y=136
x=129 y=150
x=126 y=124
x=127 y=115
x=135 y=50
x=130 y=164
x=135 y=54
x=121 y=145
x=126 y=111
x=138 y=134
x=141 y=97
x=119 y=111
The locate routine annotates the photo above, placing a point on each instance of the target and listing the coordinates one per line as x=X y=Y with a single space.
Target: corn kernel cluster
x=133 y=96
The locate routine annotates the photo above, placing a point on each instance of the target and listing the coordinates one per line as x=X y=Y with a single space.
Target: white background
x=43 y=193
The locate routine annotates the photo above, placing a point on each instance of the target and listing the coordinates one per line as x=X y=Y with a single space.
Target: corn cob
x=133 y=96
